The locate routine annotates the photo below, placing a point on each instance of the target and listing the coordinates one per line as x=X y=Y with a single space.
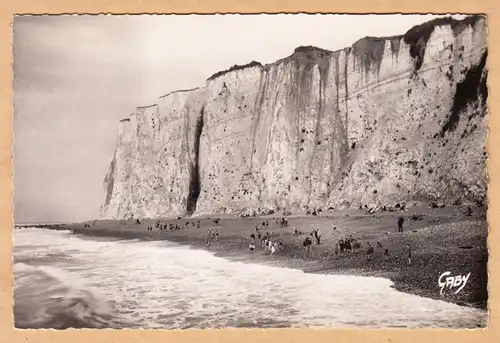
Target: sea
x=63 y=280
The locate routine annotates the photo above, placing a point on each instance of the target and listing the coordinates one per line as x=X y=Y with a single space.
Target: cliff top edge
x=363 y=45
x=180 y=91
x=417 y=35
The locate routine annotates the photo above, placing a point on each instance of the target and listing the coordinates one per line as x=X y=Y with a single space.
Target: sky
x=75 y=77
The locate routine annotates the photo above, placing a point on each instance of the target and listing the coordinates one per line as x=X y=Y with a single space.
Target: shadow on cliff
x=473 y=89
x=194 y=177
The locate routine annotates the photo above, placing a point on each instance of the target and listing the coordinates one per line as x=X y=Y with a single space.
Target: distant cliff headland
x=387 y=121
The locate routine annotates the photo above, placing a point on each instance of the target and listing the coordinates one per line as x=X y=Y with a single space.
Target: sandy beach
x=441 y=240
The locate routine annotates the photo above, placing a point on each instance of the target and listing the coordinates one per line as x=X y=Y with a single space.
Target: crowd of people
x=162 y=226
x=350 y=245
x=263 y=237
x=265 y=240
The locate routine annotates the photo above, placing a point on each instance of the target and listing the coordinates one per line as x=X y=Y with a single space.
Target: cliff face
x=388 y=120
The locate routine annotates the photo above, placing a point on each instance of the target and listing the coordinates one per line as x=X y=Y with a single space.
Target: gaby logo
x=450 y=282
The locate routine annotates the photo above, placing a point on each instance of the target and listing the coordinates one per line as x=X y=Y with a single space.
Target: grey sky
x=76 y=76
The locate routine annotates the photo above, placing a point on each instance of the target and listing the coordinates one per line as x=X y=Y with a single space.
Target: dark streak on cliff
x=235 y=68
x=109 y=180
x=336 y=119
x=471 y=89
x=158 y=121
x=279 y=81
x=347 y=51
x=370 y=51
x=259 y=100
x=395 y=44
x=302 y=62
x=418 y=36
x=194 y=180
x=319 y=58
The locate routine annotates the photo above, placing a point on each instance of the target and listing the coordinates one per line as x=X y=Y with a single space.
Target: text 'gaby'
x=450 y=282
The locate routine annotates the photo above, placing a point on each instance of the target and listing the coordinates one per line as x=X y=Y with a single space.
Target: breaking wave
x=48 y=297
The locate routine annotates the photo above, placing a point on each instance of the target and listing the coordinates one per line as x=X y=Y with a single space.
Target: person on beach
x=341 y=245
x=251 y=247
x=317 y=236
x=348 y=245
x=369 y=252
x=356 y=245
x=198 y=224
x=273 y=248
x=386 y=254
x=252 y=236
x=307 y=245
x=469 y=211
x=401 y=220
x=336 y=249
x=408 y=247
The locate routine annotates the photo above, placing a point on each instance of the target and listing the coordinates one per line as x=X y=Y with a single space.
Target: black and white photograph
x=250 y=171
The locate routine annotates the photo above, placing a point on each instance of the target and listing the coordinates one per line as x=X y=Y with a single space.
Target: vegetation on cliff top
x=180 y=91
x=308 y=55
x=418 y=36
x=234 y=68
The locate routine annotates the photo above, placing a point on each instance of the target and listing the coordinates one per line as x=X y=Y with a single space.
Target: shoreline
x=442 y=240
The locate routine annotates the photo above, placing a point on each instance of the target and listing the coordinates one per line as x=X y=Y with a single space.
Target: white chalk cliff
x=391 y=120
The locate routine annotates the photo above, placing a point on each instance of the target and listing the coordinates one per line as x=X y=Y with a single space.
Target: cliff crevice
x=194 y=183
